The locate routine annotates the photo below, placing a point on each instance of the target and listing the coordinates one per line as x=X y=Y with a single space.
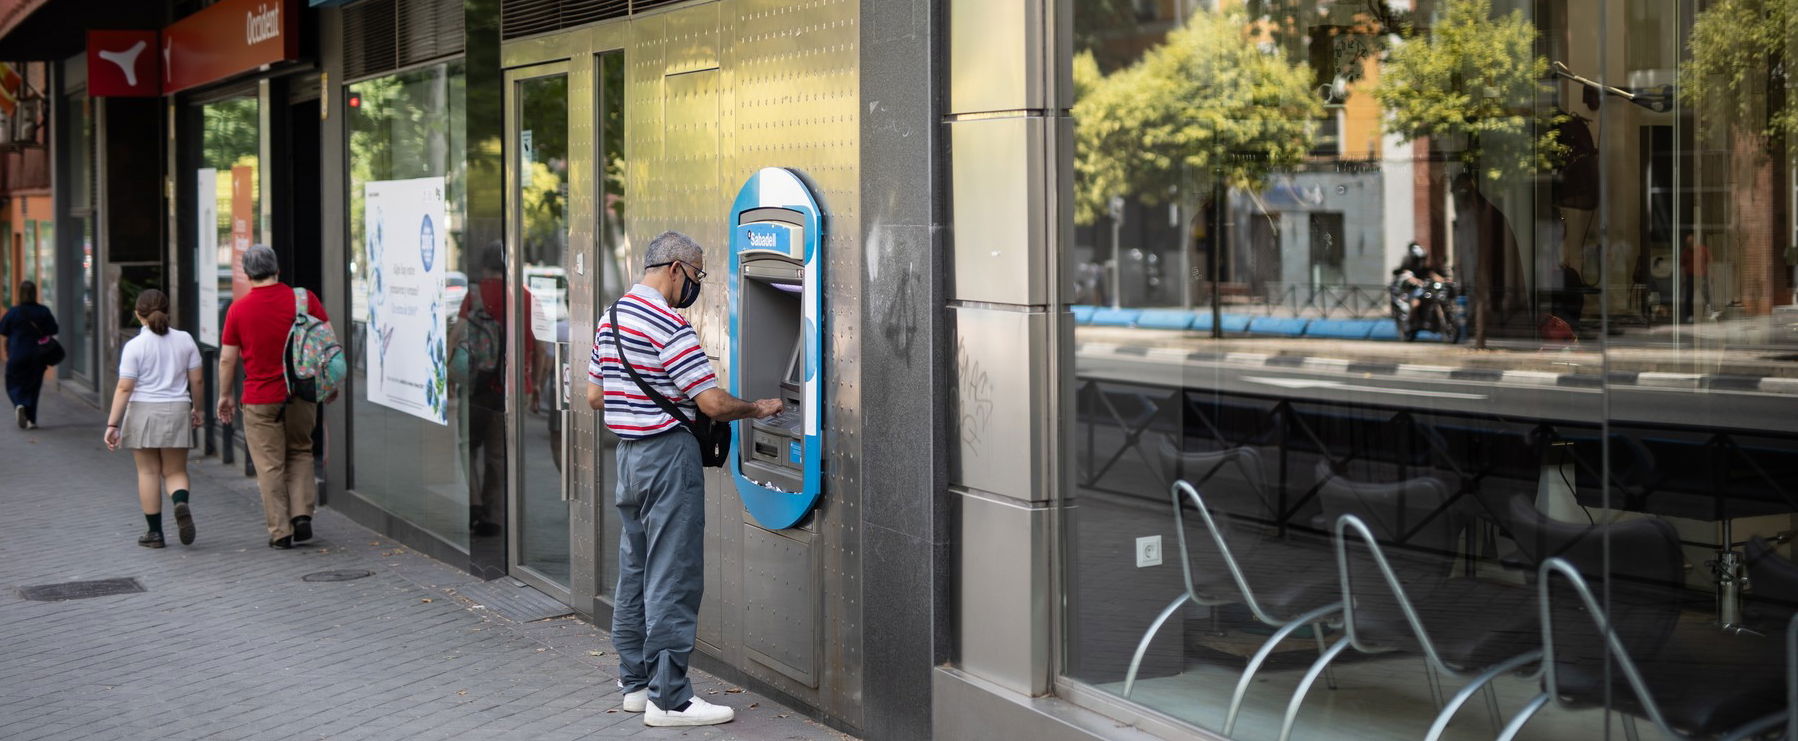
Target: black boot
x=281 y=544
x=302 y=529
x=151 y=539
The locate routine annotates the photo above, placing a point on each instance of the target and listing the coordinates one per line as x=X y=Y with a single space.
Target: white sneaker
x=699 y=713
x=634 y=702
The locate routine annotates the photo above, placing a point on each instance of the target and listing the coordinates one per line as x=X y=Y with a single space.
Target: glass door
x=538 y=228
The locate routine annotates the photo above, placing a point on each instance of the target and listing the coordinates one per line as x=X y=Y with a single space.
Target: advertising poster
x=206 y=253
x=407 y=320
x=243 y=226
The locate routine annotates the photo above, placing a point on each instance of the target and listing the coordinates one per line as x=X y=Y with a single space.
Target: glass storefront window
x=1460 y=298
x=613 y=257
x=421 y=396
x=77 y=312
x=230 y=149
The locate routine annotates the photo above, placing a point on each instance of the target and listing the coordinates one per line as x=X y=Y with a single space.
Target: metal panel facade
x=714 y=92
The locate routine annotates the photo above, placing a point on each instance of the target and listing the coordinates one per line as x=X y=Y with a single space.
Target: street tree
x=1469 y=86
x=1207 y=106
x=1733 y=84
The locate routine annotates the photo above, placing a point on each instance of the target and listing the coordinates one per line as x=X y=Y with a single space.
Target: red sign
x=228 y=38
x=243 y=225
x=123 y=64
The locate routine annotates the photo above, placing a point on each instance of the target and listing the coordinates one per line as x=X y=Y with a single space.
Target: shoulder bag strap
x=654 y=395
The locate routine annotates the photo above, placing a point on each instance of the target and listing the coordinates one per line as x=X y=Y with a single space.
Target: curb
x=1324 y=364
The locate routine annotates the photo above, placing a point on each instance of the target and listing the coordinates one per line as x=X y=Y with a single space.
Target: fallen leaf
x=614 y=710
x=427 y=599
x=734 y=691
x=596 y=653
x=461 y=692
x=754 y=705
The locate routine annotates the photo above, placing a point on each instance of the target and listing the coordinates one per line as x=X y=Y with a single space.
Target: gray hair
x=670 y=246
x=260 y=263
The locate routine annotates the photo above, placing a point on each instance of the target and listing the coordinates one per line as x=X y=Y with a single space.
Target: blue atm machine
x=776 y=301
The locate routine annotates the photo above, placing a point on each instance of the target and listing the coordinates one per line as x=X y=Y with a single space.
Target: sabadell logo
x=761 y=239
x=262 y=25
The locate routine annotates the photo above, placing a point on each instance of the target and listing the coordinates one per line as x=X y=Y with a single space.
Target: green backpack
x=482 y=337
x=315 y=362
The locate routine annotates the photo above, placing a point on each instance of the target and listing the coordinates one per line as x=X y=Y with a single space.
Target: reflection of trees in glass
x=1740 y=49
x=409 y=125
x=1470 y=87
x=1472 y=84
x=543 y=116
x=1738 y=52
x=230 y=132
x=1208 y=101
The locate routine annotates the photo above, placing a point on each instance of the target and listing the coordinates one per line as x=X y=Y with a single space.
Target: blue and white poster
x=407 y=320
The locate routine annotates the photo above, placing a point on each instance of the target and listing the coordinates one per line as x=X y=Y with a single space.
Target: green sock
x=179 y=496
x=155 y=521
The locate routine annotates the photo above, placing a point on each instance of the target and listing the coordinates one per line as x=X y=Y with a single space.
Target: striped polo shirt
x=665 y=351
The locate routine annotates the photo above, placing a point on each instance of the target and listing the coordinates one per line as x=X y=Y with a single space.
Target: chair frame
x=1476 y=681
x=1283 y=628
x=1626 y=665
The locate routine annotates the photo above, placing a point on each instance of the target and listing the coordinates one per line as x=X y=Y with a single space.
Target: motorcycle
x=1437 y=308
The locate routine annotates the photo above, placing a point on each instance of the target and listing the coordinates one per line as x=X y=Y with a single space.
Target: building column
x=1010 y=143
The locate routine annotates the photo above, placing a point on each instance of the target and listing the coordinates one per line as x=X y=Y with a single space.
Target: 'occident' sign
x=228 y=38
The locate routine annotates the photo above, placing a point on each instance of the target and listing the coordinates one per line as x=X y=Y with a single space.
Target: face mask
x=688 y=293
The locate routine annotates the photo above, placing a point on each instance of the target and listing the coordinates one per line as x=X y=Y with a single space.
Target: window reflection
x=405 y=127
x=1471 y=304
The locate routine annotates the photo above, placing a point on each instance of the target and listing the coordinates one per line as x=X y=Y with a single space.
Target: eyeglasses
x=699 y=274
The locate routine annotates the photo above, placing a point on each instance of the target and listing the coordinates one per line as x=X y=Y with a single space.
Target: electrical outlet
x=1148 y=551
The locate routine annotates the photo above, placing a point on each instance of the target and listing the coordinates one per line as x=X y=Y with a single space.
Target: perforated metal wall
x=713 y=92
x=707 y=108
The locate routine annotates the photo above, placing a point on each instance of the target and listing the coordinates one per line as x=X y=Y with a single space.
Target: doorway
x=538 y=257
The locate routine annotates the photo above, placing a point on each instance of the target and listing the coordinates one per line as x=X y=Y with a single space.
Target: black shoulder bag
x=48 y=351
x=713 y=436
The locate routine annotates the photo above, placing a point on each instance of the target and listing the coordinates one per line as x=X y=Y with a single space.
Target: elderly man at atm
x=661 y=486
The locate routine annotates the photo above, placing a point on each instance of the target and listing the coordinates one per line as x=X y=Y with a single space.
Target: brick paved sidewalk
x=228 y=642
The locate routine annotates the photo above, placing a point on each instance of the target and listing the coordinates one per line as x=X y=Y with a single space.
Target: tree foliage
x=1739 y=52
x=1472 y=83
x=1206 y=103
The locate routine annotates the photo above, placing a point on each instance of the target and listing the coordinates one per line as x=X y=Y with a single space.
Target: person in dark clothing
x=22 y=329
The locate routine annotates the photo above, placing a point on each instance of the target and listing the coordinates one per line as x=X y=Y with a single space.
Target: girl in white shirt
x=154 y=412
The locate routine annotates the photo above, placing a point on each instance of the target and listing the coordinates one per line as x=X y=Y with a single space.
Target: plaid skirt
x=157 y=424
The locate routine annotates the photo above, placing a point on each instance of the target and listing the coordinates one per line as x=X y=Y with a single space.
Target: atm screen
x=796 y=365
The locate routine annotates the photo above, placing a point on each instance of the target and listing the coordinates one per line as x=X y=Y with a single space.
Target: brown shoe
x=151 y=539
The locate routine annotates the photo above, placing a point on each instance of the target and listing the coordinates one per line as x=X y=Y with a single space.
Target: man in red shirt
x=277 y=430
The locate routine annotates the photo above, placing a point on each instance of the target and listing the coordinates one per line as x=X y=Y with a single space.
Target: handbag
x=713 y=436
x=49 y=351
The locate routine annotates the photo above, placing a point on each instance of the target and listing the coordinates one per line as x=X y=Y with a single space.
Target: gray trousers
x=661 y=563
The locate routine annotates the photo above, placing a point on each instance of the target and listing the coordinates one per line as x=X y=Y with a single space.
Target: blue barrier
x=1180 y=319
x=1109 y=317
x=1083 y=313
x=1384 y=330
x=1280 y=326
x=1344 y=329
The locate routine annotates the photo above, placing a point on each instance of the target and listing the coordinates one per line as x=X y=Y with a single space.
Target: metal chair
x=1735 y=707
x=1289 y=596
x=1422 y=608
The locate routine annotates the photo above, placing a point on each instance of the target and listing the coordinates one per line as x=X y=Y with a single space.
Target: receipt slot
x=775 y=304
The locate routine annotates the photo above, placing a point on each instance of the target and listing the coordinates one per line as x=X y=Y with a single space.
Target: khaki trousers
x=281 y=448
